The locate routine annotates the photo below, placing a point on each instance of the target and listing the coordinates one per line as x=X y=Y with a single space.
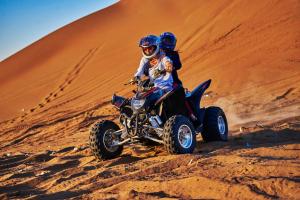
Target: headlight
x=137 y=103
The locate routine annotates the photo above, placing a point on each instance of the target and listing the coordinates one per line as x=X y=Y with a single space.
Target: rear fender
x=194 y=100
x=197 y=93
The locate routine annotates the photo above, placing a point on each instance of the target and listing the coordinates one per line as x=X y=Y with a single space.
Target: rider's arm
x=168 y=64
x=140 y=70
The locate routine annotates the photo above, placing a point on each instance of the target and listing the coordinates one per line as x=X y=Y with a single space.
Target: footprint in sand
x=62 y=89
x=73 y=74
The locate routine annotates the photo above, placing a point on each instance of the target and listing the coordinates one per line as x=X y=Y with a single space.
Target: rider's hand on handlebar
x=134 y=80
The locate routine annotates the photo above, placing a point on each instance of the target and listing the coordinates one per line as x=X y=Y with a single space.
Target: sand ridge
x=52 y=91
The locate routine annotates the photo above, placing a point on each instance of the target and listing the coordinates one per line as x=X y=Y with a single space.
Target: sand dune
x=53 y=90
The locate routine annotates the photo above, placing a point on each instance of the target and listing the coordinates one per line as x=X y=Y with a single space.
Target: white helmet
x=150 y=46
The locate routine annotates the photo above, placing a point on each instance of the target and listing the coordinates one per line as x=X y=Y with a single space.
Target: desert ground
x=52 y=91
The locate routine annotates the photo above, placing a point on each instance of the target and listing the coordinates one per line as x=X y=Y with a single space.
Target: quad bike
x=173 y=120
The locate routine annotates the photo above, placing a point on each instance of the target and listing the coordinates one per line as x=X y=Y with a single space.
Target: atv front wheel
x=215 y=127
x=102 y=140
x=179 y=135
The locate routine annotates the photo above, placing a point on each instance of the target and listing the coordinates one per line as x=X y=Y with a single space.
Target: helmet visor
x=149 y=50
x=168 y=41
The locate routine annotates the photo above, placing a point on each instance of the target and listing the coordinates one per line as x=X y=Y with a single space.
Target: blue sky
x=23 y=22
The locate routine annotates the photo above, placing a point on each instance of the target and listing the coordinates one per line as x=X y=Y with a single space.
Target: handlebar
x=142 y=85
x=133 y=81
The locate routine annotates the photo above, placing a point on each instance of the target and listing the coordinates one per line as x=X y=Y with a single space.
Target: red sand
x=53 y=90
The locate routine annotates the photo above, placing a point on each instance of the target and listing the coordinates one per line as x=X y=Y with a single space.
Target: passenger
x=176 y=103
x=168 y=44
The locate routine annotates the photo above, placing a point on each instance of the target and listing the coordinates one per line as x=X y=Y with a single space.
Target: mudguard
x=194 y=99
x=117 y=101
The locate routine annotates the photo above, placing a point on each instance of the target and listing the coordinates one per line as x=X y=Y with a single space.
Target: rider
x=156 y=65
x=167 y=44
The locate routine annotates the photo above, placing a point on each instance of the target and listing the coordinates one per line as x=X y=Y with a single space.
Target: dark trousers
x=175 y=104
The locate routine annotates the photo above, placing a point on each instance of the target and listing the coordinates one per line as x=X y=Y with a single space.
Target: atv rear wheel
x=215 y=127
x=179 y=135
x=102 y=139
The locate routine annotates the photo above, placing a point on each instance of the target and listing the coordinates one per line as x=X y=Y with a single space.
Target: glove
x=134 y=80
x=158 y=72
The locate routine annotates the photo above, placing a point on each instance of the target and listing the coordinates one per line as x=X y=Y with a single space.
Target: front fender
x=118 y=101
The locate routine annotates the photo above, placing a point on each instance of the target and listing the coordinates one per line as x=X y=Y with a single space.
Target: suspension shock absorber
x=136 y=125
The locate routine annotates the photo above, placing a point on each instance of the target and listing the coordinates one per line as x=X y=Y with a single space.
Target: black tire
x=171 y=135
x=211 y=130
x=97 y=145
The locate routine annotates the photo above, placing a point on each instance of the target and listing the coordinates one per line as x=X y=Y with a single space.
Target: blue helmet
x=168 y=41
x=150 y=46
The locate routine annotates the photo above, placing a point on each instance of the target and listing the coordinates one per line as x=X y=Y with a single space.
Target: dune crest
x=54 y=89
